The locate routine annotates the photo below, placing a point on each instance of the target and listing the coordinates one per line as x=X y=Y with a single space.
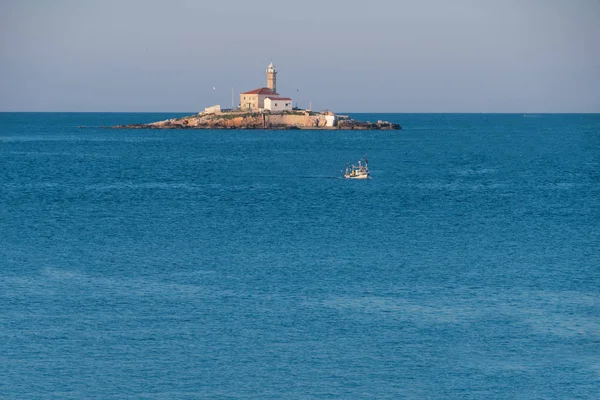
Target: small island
x=264 y=108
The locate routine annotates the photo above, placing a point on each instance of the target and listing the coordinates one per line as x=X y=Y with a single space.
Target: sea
x=239 y=264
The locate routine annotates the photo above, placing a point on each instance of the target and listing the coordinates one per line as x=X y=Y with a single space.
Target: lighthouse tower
x=272 y=78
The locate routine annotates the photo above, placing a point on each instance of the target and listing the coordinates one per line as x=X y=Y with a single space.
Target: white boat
x=360 y=171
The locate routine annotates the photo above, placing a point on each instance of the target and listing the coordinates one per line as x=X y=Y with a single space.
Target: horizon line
x=340 y=112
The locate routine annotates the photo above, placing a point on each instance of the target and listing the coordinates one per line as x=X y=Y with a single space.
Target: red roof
x=278 y=98
x=263 y=90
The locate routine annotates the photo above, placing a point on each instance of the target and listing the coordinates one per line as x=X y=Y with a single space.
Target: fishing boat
x=360 y=171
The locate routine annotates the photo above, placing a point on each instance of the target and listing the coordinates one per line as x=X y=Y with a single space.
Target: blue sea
x=184 y=264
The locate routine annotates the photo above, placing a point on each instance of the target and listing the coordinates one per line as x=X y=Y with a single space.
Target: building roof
x=263 y=90
x=278 y=98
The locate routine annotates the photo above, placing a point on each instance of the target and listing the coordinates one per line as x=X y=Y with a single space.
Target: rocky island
x=264 y=108
x=238 y=119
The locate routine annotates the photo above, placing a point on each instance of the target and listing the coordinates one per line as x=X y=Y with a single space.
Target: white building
x=213 y=109
x=278 y=104
x=331 y=120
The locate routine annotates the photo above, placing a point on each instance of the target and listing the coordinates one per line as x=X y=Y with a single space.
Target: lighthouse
x=272 y=78
x=265 y=98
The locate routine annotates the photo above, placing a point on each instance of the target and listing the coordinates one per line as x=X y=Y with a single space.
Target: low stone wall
x=300 y=121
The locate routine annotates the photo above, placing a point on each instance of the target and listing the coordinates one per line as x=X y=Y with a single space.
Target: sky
x=523 y=56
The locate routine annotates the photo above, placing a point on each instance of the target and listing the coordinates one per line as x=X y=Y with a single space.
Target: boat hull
x=356 y=177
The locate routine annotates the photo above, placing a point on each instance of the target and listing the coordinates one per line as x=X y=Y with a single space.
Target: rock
x=300 y=119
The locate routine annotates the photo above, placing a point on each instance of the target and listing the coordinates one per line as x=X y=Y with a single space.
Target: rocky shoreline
x=297 y=119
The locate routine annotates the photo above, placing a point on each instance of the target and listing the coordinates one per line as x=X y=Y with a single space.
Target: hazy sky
x=348 y=56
